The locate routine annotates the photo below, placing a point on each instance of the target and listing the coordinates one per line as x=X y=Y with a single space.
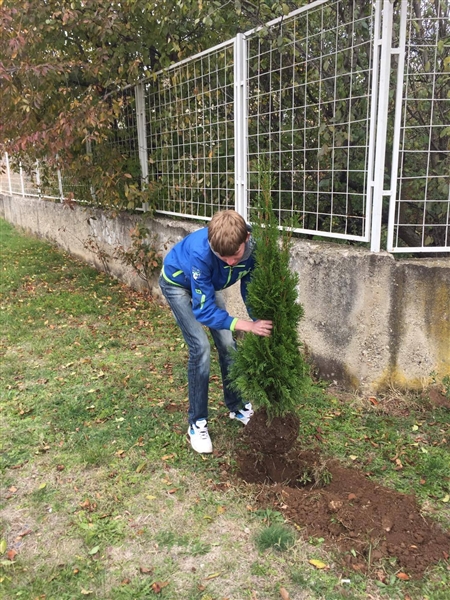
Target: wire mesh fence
x=309 y=101
x=420 y=211
x=190 y=136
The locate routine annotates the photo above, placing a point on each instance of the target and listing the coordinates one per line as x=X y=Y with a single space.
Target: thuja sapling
x=270 y=371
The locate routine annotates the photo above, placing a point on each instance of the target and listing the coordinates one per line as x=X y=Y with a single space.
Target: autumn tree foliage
x=61 y=63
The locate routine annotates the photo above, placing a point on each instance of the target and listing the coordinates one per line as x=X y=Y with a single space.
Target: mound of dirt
x=366 y=522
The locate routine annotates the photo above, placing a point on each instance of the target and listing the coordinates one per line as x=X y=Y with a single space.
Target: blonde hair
x=227 y=230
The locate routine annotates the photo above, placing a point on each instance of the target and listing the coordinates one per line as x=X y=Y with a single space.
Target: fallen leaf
x=19 y=466
x=24 y=533
x=167 y=456
x=381 y=576
x=86 y=592
x=284 y=593
x=94 y=550
x=145 y=570
x=318 y=563
x=446 y=498
x=157 y=586
x=399 y=464
x=88 y=505
x=214 y=575
x=403 y=576
x=11 y=554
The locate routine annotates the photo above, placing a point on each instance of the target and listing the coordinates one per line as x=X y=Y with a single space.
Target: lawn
x=101 y=495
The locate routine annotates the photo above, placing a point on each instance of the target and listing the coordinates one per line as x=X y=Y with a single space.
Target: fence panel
x=309 y=106
x=191 y=134
x=19 y=179
x=419 y=218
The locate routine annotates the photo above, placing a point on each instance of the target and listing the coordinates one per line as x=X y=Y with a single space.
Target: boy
x=194 y=272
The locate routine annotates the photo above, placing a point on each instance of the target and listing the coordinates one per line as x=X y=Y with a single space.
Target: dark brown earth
x=366 y=523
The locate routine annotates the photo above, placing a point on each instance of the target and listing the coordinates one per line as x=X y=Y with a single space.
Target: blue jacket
x=193 y=265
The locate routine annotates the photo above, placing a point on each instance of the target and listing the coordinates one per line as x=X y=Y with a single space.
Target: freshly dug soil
x=366 y=522
x=278 y=436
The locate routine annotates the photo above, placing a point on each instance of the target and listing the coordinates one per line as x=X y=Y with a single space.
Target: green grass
x=101 y=496
x=275 y=536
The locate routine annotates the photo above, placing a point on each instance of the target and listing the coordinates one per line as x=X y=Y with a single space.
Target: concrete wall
x=370 y=321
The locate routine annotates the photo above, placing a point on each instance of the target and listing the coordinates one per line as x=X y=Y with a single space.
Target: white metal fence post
x=142 y=135
x=8 y=172
x=240 y=125
x=22 y=184
x=60 y=184
x=397 y=123
x=38 y=179
x=89 y=153
x=382 y=80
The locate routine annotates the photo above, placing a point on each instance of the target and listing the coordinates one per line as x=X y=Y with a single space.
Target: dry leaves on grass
x=11 y=554
x=318 y=564
x=158 y=586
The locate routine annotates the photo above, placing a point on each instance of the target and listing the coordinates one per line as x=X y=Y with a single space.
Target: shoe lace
x=202 y=432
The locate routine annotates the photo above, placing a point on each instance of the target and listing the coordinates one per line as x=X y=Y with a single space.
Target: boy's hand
x=262 y=328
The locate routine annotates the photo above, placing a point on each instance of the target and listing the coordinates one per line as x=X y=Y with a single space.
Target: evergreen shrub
x=270 y=371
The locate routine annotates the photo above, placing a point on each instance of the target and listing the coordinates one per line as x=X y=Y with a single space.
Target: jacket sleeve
x=204 y=304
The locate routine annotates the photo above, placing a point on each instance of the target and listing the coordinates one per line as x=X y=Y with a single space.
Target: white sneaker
x=243 y=415
x=199 y=437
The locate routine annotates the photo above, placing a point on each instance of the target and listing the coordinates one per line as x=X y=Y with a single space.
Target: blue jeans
x=180 y=301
